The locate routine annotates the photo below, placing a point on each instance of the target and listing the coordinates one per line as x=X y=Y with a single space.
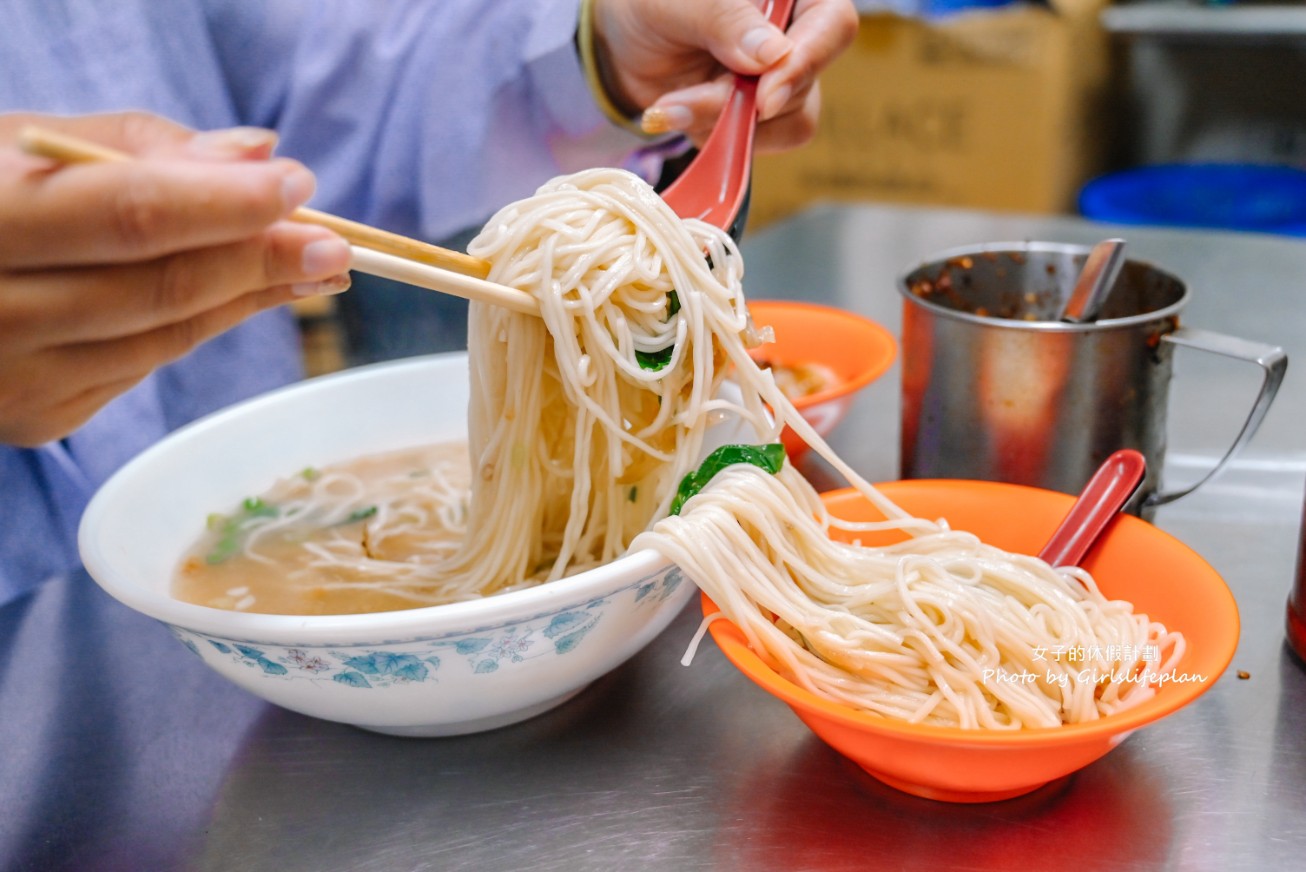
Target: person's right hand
x=679 y=57
x=109 y=270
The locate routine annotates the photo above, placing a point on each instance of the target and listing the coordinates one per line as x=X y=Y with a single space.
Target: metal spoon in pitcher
x=1101 y=268
x=1102 y=498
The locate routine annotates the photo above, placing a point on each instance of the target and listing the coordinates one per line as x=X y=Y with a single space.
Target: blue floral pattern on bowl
x=481 y=652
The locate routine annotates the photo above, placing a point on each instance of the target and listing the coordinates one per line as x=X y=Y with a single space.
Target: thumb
x=740 y=36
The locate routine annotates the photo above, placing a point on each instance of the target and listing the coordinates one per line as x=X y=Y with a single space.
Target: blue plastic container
x=1252 y=197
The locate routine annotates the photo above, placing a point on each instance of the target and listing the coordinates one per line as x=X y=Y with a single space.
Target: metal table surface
x=116 y=752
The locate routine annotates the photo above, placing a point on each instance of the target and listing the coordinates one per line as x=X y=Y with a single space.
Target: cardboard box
x=995 y=110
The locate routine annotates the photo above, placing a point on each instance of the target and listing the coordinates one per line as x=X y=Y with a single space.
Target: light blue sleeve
x=421 y=116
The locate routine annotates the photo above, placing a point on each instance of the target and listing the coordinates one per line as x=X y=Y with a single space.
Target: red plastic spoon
x=713 y=187
x=1102 y=498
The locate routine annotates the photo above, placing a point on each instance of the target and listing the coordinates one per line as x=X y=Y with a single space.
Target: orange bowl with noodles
x=821 y=357
x=1133 y=561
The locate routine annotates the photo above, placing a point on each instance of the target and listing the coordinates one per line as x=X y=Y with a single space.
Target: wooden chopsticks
x=376 y=251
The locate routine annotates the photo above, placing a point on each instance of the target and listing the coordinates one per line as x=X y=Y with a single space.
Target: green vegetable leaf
x=769 y=457
x=655 y=360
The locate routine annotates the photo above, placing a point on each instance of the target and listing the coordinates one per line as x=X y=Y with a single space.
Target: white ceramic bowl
x=441 y=670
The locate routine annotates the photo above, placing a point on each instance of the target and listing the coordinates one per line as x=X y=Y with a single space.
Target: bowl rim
x=450 y=618
x=882 y=341
x=734 y=645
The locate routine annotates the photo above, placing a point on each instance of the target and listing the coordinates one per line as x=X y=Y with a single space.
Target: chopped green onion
x=222 y=551
x=232 y=527
x=360 y=515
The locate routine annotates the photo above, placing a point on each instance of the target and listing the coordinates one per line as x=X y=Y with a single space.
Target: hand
x=109 y=270
x=679 y=56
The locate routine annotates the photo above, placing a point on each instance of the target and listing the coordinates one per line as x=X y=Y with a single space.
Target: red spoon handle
x=713 y=186
x=1102 y=498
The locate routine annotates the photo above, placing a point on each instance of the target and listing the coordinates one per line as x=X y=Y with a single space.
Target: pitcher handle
x=1270 y=358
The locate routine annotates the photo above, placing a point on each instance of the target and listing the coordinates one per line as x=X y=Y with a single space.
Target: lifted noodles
x=583 y=421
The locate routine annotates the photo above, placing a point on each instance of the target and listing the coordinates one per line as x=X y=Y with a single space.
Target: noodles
x=941 y=628
x=584 y=420
x=356 y=537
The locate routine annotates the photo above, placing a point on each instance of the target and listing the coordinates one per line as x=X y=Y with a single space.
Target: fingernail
x=767 y=44
x=326 y=256
x=776 y=101
x=334 y=285
x=296 y=187
x=664 y=119
x=233 y=142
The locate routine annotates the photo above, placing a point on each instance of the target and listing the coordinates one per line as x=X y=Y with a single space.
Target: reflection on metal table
x=119 y=752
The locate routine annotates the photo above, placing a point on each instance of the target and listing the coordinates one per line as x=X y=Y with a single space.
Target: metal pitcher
x=995 y=387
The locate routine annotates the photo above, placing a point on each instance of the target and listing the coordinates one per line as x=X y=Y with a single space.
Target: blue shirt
x=421 y=117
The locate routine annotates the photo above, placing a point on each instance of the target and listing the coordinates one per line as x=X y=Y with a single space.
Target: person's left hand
x=110 y=270
x=678 y=56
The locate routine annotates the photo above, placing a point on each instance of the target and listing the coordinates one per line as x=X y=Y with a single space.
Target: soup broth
x=321 y=541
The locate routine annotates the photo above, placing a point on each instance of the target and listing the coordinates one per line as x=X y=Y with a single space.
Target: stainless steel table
x=117 y=754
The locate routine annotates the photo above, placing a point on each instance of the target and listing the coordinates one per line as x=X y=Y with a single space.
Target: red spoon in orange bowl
x=1102 y=498
x=715 y=184
x=1133 y=561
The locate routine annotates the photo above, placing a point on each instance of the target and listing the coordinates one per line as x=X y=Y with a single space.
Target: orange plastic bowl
x=1133 y=561
x=856 y=349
